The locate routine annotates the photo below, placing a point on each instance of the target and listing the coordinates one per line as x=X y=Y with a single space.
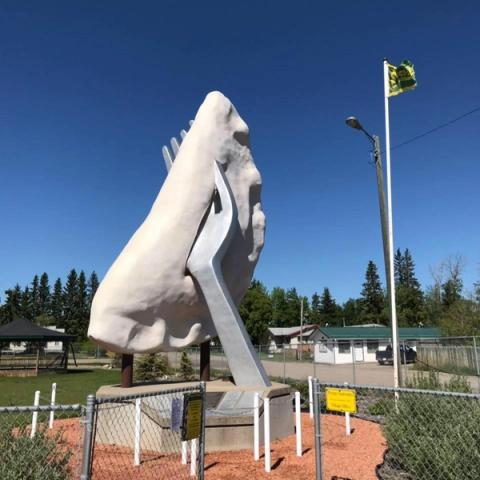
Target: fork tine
x=175 y=146
x=167 y=157
x=183 y=134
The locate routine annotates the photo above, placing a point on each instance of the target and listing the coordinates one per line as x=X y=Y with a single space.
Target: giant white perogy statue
x=181 y=276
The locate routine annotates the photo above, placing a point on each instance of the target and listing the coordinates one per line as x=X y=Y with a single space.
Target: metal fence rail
x=41 y=442
x=430 y=435
x=136 y=436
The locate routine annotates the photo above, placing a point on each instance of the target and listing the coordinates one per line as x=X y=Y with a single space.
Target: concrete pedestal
x=229 y=421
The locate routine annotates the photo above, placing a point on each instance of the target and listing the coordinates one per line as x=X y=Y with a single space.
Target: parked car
x=407 y=355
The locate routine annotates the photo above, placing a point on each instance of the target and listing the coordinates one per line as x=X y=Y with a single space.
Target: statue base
x=229 y=420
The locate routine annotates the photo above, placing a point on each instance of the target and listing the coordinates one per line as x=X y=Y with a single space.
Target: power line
x=443 y=125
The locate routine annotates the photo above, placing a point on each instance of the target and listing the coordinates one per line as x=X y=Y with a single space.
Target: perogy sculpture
x=181 y=276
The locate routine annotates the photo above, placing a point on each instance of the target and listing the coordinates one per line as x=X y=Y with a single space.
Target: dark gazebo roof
x=24 y=330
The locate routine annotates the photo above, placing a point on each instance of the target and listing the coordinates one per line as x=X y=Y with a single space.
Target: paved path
x=361 y=374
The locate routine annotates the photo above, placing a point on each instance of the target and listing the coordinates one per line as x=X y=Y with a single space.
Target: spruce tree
x=92 y=287
x=11 y=306
x=44 y=295
x=71 y=305
x=26 y=304
x=83 y=307
x=186 y=368
x=410 y=300
x=151 y=366
x=372 y=294
x=315 y=314
x=398 y=263
x=35 y=298
x=56 y=304
x=328 y=308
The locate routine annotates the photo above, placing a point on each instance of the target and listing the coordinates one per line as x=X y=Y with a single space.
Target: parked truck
x=385 y=357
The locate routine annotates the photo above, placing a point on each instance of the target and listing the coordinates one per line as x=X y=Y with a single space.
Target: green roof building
x=340 y=345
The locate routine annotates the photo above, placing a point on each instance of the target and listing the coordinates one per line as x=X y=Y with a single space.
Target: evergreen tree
x=92 y=287
x=315 y=314
x=410 y=300
x=35 y=298
x=151 y=366
x=373 y=299
x=83 y=306
x=71 y=305
x=279 y=307
x=292 y=312
x=11 y=308
x=256 y=312
x=398 y=267
x=186 y=368
x=352 y=312
x=328 y=308
x=26 y=304
x=56 y=304
x=44 y=295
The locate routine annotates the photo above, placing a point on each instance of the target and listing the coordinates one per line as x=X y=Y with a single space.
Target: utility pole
x=387 y=238
x=301 y=329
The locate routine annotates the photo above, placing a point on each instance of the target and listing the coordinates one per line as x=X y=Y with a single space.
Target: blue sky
x=90 y=91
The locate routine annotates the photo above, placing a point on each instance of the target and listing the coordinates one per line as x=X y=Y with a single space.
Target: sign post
x=342 y=400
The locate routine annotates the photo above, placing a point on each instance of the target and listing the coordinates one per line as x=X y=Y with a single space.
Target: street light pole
x=387 y=238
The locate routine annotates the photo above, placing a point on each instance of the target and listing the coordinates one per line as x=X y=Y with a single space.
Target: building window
x=372 y=346
x=343 y=347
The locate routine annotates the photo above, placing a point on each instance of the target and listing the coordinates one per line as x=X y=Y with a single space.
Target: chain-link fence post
x=88 y=438
x=476 y=361
x=284 y=364
x=318 y=429
x=201 y=456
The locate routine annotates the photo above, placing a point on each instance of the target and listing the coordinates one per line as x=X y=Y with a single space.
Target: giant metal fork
x=204 y=264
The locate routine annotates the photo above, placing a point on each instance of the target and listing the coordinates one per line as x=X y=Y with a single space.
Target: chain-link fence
x=416 y=434
x=140 y=437
x=41 y=442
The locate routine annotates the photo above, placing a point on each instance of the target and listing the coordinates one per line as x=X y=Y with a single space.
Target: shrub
x=186 y=368
x=38 y=458
x=435 y=437
x=151 y=366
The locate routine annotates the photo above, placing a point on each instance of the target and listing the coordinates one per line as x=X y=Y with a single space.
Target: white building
x=359 y=343
x=289 y=337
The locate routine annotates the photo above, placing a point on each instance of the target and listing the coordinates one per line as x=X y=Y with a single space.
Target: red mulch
x=351 y=457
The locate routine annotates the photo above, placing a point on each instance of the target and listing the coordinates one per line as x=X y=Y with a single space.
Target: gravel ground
x=344 y=458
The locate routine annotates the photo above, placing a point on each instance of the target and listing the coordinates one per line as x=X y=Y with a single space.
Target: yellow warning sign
x=192 y=416
x=341 y=400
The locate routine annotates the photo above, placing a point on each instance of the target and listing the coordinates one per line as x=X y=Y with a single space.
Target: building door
x=358 y=351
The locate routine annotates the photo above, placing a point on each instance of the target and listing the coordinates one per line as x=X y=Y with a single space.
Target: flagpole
x=391 y=279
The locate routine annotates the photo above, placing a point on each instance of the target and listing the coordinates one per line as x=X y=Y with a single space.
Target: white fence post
x=298 y=424
x=184 y=452
x=256 y=426
x=52 y=403
x=348 y=430
x=193 y=457
x=36 y=403
x=266 y=425
x=310 y=396
x=138 y=431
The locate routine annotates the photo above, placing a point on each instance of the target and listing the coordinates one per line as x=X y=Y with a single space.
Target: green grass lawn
x=72 y=387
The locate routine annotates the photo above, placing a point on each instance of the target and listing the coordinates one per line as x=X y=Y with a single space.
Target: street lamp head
x=354 y=123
